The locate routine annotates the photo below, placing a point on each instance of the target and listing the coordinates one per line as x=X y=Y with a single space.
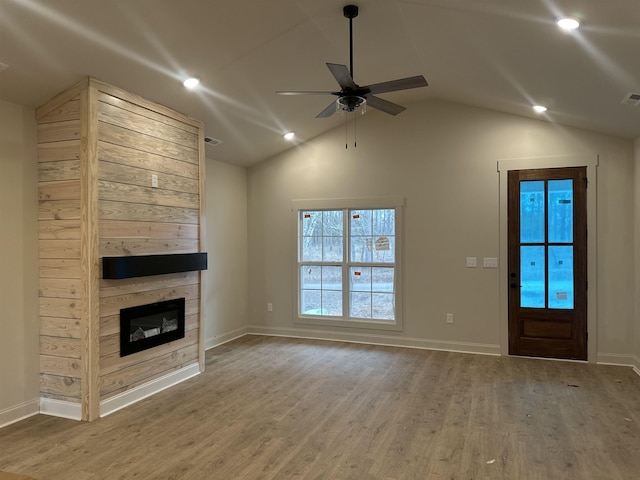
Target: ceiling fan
x=351 y=95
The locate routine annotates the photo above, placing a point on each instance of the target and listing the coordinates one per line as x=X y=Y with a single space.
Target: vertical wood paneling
x=98 y=148
x=89 y=255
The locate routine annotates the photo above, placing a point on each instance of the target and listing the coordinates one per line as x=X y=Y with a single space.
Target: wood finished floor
x=276 y=408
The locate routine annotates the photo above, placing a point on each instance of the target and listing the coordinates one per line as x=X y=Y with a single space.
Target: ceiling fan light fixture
x=568 y=23
x=351 y=103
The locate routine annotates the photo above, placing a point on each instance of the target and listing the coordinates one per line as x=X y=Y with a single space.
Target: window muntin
x=347 y=264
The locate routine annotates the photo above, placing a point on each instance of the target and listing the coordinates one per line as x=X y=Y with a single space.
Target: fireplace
x=147 y=326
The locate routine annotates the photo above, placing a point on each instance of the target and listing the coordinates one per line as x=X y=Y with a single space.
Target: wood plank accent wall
x=98 y=149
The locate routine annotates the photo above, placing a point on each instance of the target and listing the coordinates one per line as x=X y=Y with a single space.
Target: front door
x=547 y=215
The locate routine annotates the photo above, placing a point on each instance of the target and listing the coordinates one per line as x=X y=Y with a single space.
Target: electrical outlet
x=472 y=262
x=269 y=307
x=449 y=317
x=154 y=181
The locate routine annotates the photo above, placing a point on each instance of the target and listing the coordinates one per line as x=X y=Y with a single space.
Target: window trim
x=393 y=202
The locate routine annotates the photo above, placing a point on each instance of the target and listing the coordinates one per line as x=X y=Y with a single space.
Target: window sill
x=353 y=323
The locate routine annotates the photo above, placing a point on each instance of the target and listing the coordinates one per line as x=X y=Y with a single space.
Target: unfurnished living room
x=385 y=239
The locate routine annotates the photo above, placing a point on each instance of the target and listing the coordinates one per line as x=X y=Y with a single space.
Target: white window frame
x=396 y=203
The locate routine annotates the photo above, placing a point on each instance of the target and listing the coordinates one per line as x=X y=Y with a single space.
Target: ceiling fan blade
x=384 y=105
x=306 y=92
x=401 y=84
x=327 y=112
x=342 y=75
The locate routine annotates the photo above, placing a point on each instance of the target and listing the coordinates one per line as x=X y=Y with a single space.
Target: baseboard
x=218 y=340
x=136 y=394
x=60 y=408
x=19 y=412
x=636 y=364
x=622 y=360
x=377 y=339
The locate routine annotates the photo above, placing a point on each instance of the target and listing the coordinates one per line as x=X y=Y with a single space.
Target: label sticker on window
x=357 y=274
x=561 y=295
x=307 y=215
x=382 y=243
x=355 y=217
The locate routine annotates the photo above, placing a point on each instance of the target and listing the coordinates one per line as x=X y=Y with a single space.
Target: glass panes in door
x=546 y=244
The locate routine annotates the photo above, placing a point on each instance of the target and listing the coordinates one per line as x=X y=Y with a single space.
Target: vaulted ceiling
x=505 y=55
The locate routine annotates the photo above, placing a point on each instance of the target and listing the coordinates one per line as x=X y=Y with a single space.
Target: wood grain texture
x=59 y=268
x=118 y=173
x=60 y=287
x=139 y=373
x=123 y=116
x=59 y=131
x=151 y=161
x=59 y=210
x=142 y=102
x=60 y=347
x=147 y=195
x=130 y=286
x=110 y=247
x=59 y=248
x=66 y=111
x=274 y=408
x=61 y=190
x=154 y=113
x=60 y=327
x=89 y=261
x=68 y=95
x=60 y=385
x=57 y=151
x=112 y=305
x=130 y=139
x=58 y=171
x=59 y=229
x=112 y=210
x=133 y=229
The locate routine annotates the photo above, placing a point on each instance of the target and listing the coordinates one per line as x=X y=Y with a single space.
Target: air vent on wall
x=632 y=99
x=212 y=142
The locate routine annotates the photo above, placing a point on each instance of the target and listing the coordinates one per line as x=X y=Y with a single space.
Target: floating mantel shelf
x=145 y=265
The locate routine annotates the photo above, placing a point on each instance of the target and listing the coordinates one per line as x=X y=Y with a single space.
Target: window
x=348 y=262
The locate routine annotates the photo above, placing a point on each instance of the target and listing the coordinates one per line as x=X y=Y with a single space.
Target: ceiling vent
x=632 y=99
x=212 y=142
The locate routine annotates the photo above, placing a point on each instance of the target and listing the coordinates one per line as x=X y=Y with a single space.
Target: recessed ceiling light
x=191 y=83
x=289 y=136
x=540 y=108
x=568 y=23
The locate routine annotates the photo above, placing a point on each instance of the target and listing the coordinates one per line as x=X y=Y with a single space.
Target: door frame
x=591 y=162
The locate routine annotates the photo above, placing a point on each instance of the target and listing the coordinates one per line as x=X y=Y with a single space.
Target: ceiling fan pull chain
x=346 y=133
x=355 y=129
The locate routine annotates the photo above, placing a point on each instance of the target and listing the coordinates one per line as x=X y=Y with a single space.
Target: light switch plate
x=490 y=262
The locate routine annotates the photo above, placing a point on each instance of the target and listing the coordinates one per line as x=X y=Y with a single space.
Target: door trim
x=591 y=162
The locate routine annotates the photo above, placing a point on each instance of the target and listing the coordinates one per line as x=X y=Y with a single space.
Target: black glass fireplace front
x=147 y=326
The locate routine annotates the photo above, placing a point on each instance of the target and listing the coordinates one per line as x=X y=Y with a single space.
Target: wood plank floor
x=278 y=408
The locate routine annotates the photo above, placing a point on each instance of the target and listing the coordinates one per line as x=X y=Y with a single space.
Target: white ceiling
x=500 y=54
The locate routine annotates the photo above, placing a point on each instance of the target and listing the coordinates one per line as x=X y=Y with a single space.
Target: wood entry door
x=547 y=243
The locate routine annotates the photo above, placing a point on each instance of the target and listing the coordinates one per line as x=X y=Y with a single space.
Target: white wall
x=19 y=364
x=226 y=244
x=442 y=158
